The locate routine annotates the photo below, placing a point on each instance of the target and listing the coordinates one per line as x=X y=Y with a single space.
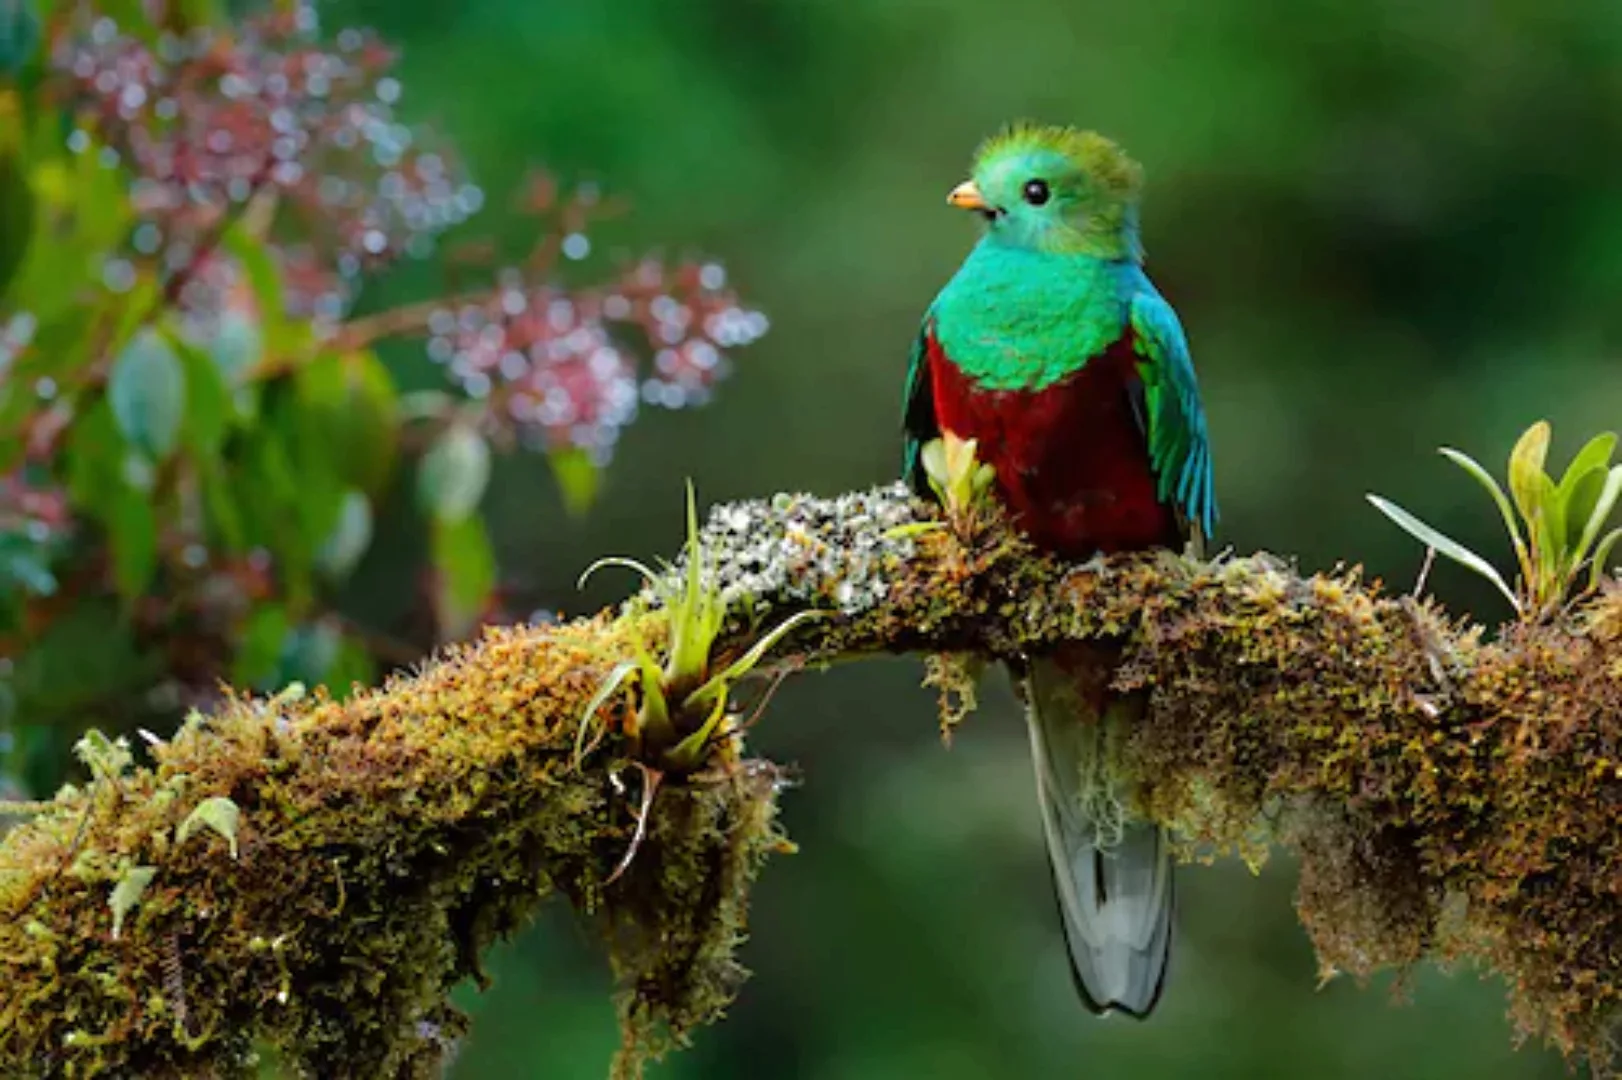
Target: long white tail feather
x=1113 y=875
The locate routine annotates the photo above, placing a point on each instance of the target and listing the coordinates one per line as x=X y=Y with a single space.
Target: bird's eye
x=1036 y=192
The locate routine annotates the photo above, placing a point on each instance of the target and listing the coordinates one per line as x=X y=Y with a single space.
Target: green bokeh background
x=1387 y=224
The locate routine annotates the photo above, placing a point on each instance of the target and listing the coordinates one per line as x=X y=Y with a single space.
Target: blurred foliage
x=196 y=437
x=1385 y=225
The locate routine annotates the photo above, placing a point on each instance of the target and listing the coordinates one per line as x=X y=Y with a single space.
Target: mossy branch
x=1451 y=798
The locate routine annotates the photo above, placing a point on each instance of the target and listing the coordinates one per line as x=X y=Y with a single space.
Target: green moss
x=384 y=843
x=1450 y=797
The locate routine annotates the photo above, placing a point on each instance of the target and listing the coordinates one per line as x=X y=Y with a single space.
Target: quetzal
x=1052 y=350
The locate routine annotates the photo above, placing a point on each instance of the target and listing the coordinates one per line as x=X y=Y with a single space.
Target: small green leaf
x=236 y=349
x=127 y=893
x=454 y=473
x=933 y=457
x=1525 y=469
x=105 y=758
x=1550 y=533
x=466 y=567
x=95 y=457
x=349 y=539
x=1595 y=454
x=218 y=813
x=1602 y=555
x=1600 y=512
x=1443 y=544
x=1577 y=501
x=578 y=479
x=368 y=427
x=265 y=281
x=147 y=391
x=617 y=560
x=133 y=535
x=688 y=752
x=617 y=677
x=208 y=405
x=19 y=36
x=1484 y=478
x=717 y=686
x=696 y=617
x=220 y=506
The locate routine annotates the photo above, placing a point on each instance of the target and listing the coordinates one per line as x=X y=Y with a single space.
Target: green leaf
x=218 y=813
x=265 y=282
x=236 y=350
x=1484 y=478
x=208 y=405
x=107 y=759
x=127 y=893
x=578 y=479
x=688 y=752
x=1602 y=555
x=133 y=535
x=617 y=677
x=259 y=647
x=298 y=419
x=1595 y=454
x=1577 y=502
x=1526 y=469
x=349 y=539
x=147 y=391
x=1600 y=512
x=717 y=686
x=220 y=506
x=95 y=457
x=19 y=37
x=16 y=196
x=454 y=473
x=367 y=427
x=933 y=458
x=1551 y=537
x=1443 y=545
x=621 y=561
x=466 y=567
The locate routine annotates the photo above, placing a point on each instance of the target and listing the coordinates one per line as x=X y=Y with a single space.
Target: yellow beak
x=966 y=196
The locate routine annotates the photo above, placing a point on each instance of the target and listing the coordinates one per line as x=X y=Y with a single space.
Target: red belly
x=1072 y=461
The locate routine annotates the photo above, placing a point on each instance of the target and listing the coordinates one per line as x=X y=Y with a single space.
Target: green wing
x=918 y=411
x=1174 y=420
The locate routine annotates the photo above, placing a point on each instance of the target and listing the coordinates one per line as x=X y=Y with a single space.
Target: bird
x=1053 y=352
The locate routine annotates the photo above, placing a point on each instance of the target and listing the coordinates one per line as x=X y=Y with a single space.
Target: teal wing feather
x=918 y=412
x=1179 y=446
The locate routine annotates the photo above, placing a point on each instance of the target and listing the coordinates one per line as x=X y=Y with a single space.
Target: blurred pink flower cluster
x=567 y=368
x=560 y=367
x=208 y=120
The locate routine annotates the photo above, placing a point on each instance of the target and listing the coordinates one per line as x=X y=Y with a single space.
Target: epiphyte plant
x=1557 y=537
x=957 y=475
x=683 y=700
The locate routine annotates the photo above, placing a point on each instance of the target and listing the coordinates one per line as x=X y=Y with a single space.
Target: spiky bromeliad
x=1052 y=350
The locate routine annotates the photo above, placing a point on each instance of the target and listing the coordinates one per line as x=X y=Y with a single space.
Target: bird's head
x=1055 y=189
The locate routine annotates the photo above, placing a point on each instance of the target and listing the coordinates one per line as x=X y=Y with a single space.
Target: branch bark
x=1452 y=798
